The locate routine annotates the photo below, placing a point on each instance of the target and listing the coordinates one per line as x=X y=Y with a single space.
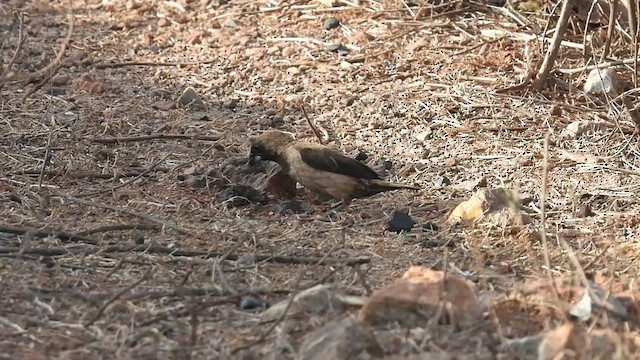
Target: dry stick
x=119 y=227
x=114 y=140
x=46 y=161
x=157 y=249
x=117 y=295
x=151 y=63
x=128 y=212
x=56 y=62
x=543 y=216
x=19 y=17
x=130 y=181
x=46 y=231
x=552 y=52
x=42 y=82
x=85 y=174
x=612 y=23
x=311 y=125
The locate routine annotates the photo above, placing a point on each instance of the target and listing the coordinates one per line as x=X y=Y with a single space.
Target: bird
x=319 y=168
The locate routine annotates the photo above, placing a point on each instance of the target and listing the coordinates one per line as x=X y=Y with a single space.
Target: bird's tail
x=377 y=186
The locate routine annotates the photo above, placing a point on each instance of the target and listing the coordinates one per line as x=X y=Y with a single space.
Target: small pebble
x=441 y=181
x=359 y=155
x=331 y=23
x=251 y=303
x=400 y=221
x=138 y=238
x=290 y=205
x=230 y=104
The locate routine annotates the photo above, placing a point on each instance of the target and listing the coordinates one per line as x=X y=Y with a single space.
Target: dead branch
x=119 y=227
x=552 y=52
x=90 y=175
x=19 y=17
x=152 y=63
x=63 y=48
x=114 y=140
x=311 y=125
x=45 y=232
x=157 y=249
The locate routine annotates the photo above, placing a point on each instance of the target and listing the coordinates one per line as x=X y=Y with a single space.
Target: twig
x=152 y=63
x=41 y=83
x=157 y=249
x=130 y=181
x=45 y=232
x=19 y=17
x=119 y=227
x=85 y=174
x=117 y=295
x=114 y=140
x=311 y=125
x=543 y=215
x=552 y=52
x=46 y=161
x=63 y=48
x=128 y=212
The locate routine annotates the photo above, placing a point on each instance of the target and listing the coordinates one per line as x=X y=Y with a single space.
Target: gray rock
x=340 y=340
x=331 y=23
x=191 y=99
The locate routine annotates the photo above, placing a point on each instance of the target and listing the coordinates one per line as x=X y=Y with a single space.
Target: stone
x=320 y=298
x=191 y=99
x=342 y=339
x=400 y=221
x=330 y=23
x=419 y=296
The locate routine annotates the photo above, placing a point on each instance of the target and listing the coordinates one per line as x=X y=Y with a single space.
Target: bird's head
x=268 y=146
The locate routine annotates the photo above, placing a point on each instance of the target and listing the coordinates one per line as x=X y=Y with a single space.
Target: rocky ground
x=132 y=227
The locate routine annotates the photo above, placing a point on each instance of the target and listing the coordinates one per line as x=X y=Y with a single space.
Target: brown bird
x=319 y=168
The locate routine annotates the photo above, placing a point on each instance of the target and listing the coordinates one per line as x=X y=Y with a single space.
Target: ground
x=89 y=177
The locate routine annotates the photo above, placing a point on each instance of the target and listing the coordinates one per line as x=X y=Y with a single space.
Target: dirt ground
x=106 y=220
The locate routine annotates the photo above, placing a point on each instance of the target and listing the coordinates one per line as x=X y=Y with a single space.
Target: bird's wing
x=326 y=159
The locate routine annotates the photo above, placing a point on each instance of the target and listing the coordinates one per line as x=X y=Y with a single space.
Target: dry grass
x=452 y=69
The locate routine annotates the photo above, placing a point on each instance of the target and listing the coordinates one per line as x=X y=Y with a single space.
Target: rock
x=337 y=48
x=163 y=21
x=191 y=99
x=499 y=206
x=583 y=211
x=251 y=303
x=578 y=128
x=246 y=260
x=441 y=181
x=359 y=155
x=583 y=308
x=331 y=23
x=343 y=339
x=241 y=195
x=473 y=185
x=319 y=298
x=230 y=104
x=294 y=206
x=60 y=80
x=424 y=135
x=400 y=221
x=416 y=298
x=602 y=81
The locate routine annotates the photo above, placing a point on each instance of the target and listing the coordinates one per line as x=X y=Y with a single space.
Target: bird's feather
x=326 y=159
